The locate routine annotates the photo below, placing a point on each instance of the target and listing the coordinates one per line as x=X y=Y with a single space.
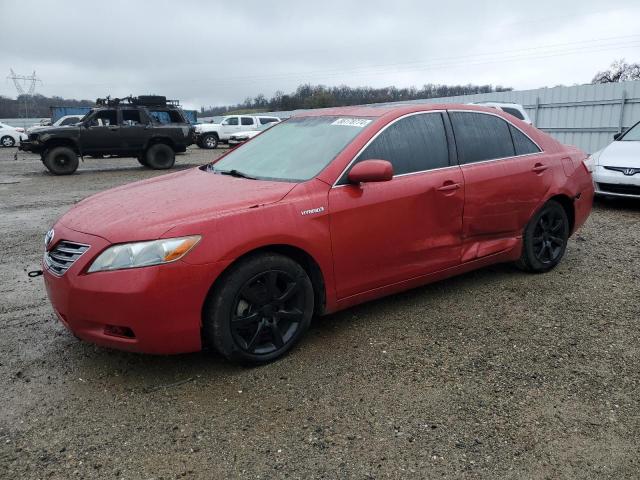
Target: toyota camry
x=326 y=210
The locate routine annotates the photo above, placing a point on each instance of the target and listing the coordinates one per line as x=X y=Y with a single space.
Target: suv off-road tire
x=142 y=160
x=61 y=161
x=160 y=156
x=545 y=237
x=209 y=141
x=259 y=310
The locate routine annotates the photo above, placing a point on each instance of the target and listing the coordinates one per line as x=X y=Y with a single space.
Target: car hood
x=54 y=130
x=146 y=210
x=620 y=154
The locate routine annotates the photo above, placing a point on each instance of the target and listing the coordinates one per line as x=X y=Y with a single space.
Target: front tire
x=7 y=141
x=259 y=310
x=61 y=161
x=545 y=239
x=209 y=141
x=160 y=157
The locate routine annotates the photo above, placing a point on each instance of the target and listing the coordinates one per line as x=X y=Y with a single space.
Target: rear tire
x=61 y=161
x=160 y=157
x=545 y=239
x=209 y=141
x=259 y=310
x=7 y=141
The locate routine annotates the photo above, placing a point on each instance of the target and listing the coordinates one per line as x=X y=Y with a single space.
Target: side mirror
x=371 y=171
x=616 y=136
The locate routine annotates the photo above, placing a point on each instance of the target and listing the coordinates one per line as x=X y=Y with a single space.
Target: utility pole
x=20 y=81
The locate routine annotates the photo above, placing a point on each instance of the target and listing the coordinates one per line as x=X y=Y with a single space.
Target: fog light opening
x=117 y=331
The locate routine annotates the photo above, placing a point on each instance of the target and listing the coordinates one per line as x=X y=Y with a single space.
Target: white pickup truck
x=209 y=135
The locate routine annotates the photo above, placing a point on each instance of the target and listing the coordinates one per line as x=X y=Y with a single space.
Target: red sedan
x=324 y=211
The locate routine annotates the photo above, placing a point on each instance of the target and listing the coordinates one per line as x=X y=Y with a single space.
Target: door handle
x=539 y=168
x=448 y=186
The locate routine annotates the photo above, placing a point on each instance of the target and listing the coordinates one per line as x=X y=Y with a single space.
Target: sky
x=220 y=52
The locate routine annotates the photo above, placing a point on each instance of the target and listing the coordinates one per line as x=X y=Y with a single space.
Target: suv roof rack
x=142 y=100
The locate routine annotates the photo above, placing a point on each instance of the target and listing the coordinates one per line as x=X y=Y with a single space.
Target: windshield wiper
x=234 y=173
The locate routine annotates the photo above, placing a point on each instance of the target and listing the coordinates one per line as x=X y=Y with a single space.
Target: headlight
x=143 y=254
x=592 y=161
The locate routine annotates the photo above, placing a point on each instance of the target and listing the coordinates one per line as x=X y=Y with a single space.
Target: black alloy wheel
x=545 y=238
x=549 y=237
x=261 y=308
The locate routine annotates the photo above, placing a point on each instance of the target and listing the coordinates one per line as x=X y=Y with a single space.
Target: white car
x=61 y=122
x=241 y=137
x=10 y=136
x=616 y=168
x=238 y=138
x=514 y=109
x=209 y=135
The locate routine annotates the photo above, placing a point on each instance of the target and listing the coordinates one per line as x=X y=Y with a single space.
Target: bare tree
x=619 y=71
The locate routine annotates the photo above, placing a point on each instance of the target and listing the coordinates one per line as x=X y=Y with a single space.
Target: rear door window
x=246 y=121
x=480 y=137
x=131 y=117
x=412 y=144
x=522 y=143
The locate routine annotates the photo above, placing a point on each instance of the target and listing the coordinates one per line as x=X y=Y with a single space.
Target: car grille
x=619 y=188
x=63 y=255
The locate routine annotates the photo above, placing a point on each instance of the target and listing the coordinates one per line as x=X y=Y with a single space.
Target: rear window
x=481 y=136
x=513 y=111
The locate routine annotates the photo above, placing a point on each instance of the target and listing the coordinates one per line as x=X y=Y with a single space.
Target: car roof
x=389 y=110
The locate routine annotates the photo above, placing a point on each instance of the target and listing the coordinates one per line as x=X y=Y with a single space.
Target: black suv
x=150 y=128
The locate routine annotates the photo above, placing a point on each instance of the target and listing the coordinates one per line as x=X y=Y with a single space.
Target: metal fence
x=584 y=115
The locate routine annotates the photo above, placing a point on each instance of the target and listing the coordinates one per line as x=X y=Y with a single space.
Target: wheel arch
x=302 y=257
x=567 y=204
x=160 y=139
x=63 y=142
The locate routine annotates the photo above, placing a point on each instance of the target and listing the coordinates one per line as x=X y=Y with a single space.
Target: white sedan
x=616 y=168
x=10 y=136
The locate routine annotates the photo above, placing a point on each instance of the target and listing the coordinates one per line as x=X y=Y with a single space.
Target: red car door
x=506 y=177
x=387 y=232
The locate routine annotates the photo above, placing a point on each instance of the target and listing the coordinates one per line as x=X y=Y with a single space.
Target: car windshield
x=633 y=134
x=295 y=150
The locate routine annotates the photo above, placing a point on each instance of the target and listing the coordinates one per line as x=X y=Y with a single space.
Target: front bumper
x=616 y=184
x=159 y=307
x=28 y=146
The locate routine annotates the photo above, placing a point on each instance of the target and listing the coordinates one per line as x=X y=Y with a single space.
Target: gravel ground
x=494 y=374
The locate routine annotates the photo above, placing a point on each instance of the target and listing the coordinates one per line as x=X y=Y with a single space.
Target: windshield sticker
x=352 y=122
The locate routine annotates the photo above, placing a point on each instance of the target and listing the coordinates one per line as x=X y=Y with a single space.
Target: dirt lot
x=495 y=374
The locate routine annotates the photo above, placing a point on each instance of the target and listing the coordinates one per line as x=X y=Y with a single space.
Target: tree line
x=309 y=96
x=35 y=106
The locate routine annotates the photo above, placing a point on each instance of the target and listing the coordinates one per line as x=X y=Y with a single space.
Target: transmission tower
x=22 y=81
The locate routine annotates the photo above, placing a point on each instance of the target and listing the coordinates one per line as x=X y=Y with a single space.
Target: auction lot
x=494 y=374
